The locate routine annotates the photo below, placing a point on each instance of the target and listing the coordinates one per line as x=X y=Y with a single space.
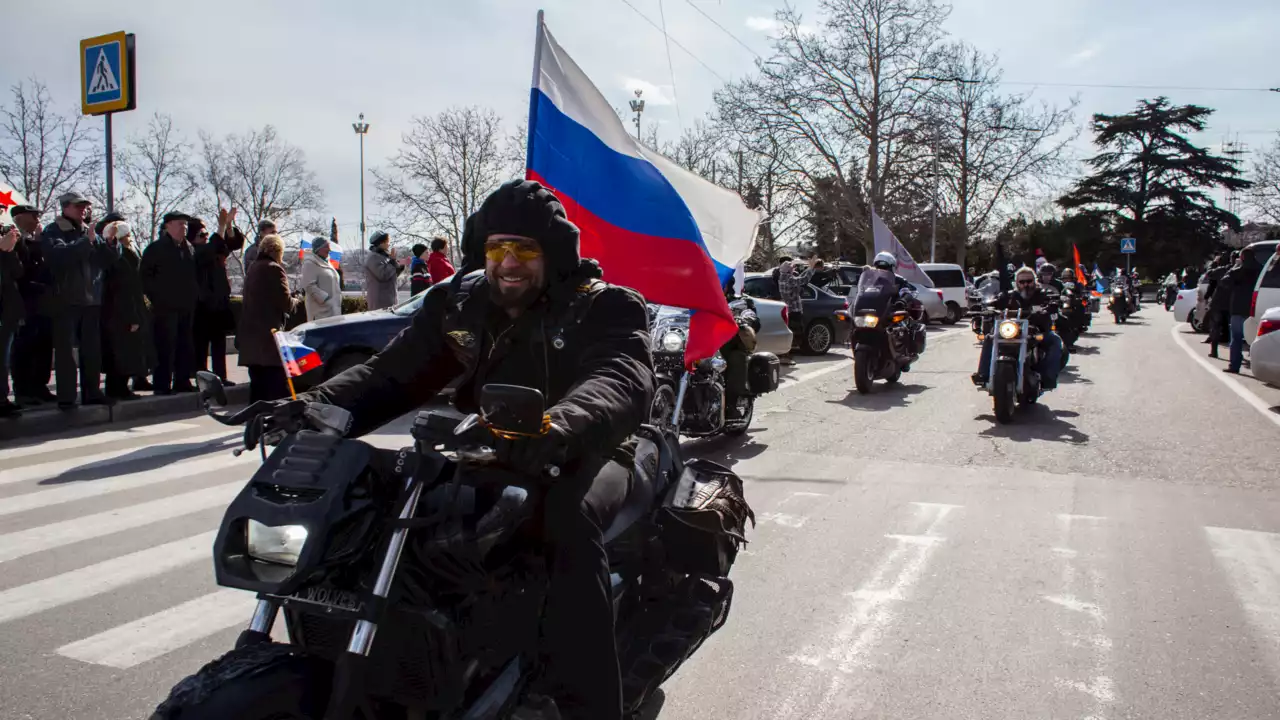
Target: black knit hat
x=526 y=208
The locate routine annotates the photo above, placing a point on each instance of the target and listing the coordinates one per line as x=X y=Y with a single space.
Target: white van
x=953 y=283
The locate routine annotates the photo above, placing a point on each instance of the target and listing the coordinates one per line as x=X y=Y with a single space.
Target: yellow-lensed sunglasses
x=522 y=251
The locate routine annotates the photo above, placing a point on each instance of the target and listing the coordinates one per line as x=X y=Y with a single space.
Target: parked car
x=1189 y=306
x=775 y=335
x=952 y=282
x=1266 y=293
x=934 y=306
x=349 y=340
x=1264 y=354
x=826 y=315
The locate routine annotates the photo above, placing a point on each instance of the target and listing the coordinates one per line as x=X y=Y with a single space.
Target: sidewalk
x=47 y=419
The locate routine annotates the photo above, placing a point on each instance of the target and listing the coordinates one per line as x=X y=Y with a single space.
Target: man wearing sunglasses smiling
x=1027 y=293
x=526 y=309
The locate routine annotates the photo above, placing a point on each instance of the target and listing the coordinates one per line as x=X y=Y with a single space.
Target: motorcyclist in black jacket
x=526 y=309
x=1049 y=278
x=1027 y=294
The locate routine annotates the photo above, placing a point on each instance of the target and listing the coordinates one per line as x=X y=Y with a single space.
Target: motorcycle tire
x=664 y=403
x=740 y=427
x=1005 y=391
x=895 y=377
x=863 y=372
x=256 y=682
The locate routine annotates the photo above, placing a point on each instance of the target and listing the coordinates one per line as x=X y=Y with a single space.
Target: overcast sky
x=310 y=67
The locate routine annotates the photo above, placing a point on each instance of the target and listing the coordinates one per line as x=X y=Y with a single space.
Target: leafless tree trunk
x=42 y=152
x=1264 y=198
x=991 y=147
x=157 y=167
x=446 y=166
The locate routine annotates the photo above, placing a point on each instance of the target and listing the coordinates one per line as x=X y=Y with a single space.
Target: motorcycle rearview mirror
x=211 y=390
x=512 y=408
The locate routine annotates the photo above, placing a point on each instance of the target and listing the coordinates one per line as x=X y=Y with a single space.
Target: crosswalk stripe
x=96 y=488
x=150 y=637
x=45 y=471
x=1251 y=559
x=60 y=534
x=102 y=438
x=69 y=587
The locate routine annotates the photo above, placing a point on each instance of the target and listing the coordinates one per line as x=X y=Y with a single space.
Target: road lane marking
x=1099 y=686
x=69 y=587
x=1254 y=401
x=1251 y=559
x=783 y=519
x=1075 y=604
x=151 y=637
x=101 y=438
x=51 y=470
x=60 y=534
x=73 y=491
x=872 y=612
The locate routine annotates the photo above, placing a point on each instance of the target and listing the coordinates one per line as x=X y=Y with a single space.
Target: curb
x=43 y=421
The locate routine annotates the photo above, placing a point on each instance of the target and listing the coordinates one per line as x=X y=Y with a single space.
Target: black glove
x=533 y=455
x=270 y=418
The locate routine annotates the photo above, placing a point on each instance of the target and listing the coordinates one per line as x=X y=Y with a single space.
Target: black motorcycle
x=1016 y=350
x=1120 y=305
x=694 y=402
x=412 y=582
x=1073 y=317
x=887 y=333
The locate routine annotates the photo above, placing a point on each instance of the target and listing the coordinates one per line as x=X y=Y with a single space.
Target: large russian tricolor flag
x=652 y=225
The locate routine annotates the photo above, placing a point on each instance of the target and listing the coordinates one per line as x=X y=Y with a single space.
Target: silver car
x=774 y=335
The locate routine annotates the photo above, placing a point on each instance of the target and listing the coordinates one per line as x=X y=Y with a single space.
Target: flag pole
x=283 y=351
x=533 y=105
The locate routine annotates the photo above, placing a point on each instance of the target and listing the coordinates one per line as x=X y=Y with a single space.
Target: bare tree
x=990 y=148
x=157 y=166
x=846 y=103
x=446 y=166
x=263 y=175
x=44 y=153
x=1264 y=197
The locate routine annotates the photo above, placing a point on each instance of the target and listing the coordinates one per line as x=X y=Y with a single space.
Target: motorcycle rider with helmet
x=906 y=294
x=526 y=309
x=1049 y=278
x=1027 y=294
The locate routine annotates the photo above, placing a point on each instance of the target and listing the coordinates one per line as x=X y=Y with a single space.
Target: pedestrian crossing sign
x=1128 y=245
x=106 y=73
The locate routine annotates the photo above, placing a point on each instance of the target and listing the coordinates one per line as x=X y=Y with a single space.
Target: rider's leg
x=577 y=624
x=984 y=363
x=1052 y=361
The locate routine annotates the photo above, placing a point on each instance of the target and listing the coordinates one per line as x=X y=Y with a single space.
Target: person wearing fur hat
x=526 y=309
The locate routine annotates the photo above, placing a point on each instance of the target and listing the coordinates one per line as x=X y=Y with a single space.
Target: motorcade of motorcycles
x=693 y=401
x=411 y=581
x=887 y=333
x=1016 y=350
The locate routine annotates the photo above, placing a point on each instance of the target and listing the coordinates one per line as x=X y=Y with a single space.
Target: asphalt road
x=1115 y=553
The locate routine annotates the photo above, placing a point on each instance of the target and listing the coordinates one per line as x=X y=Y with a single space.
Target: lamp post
x=362 y=128
x=637 y=107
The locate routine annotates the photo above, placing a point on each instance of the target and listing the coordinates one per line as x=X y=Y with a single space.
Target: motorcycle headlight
x=280 y=545
x=673 y=341
x=1009 y=330
x=866 y=321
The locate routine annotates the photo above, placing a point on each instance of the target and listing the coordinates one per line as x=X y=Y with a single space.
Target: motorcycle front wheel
x=1005 y=391
x=863 y=372
x=664 y=405
x=747 y=410
x=264 y=681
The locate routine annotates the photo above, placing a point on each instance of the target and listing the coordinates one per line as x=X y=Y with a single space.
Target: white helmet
x=885 y=260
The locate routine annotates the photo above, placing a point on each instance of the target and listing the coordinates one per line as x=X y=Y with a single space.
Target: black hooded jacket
x=1013 y=300
x=583 y=343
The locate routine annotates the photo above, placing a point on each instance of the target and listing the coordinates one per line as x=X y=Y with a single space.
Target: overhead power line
x=723 y=29
x=673 y=41
x=671 y=68
x=1138 y=87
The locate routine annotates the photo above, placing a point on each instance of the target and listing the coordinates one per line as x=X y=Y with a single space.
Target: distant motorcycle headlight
x=673 y=341
x=280 y=545
x=866 y=321
x=1009 y=330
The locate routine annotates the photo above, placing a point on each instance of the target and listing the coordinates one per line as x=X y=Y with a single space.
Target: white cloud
x=653 y=94
x=1083 y=55
x=762 y=24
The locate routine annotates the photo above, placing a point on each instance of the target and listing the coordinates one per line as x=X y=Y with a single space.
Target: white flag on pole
x=886 y=242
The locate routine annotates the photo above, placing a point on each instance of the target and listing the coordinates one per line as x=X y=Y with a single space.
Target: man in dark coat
x=77 y=260
x=1217 y=301
x=32 y=356
x=1240 y=280
x=125 y=340
x=213 y=320
x=537 y=316
x=168 y=271
x=12 y=313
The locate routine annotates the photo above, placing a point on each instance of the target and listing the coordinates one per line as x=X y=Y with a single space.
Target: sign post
x=107 y=86
x=1128 y=246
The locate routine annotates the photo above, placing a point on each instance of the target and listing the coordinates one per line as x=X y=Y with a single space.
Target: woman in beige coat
x=320 y=283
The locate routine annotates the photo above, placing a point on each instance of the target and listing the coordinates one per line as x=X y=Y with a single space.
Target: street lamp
x=362 y=128
x=637 y=107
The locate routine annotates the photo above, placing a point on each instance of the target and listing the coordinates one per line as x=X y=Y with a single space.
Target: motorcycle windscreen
x=876 y=290
x=665 y=319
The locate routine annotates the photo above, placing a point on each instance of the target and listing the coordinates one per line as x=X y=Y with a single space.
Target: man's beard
x=1027 y=293
x=512 y=298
